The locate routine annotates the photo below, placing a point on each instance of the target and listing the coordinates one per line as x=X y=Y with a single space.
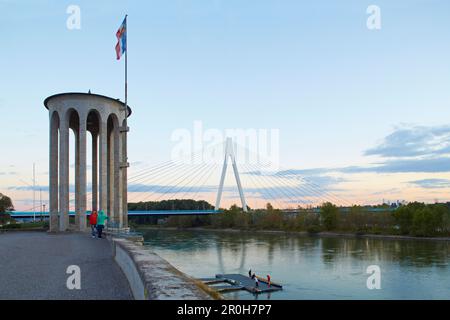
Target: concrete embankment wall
x=153 y=278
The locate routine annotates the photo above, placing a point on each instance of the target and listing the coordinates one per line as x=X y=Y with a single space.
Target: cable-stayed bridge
x=228 y=174
x=223 y=174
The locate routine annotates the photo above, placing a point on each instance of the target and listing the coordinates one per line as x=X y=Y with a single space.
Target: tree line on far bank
x=175 y=204
x=6 y=206
x=414 y=219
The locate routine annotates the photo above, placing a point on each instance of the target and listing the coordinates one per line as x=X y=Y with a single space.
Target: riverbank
x=153 y=278
x=300 y=233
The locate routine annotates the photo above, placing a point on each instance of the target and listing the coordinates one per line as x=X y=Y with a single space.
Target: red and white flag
x=121 y=35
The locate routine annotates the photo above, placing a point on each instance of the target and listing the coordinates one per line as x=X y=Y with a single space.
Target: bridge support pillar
x=230 y=153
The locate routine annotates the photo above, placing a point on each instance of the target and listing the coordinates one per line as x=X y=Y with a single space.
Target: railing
x=114 y=228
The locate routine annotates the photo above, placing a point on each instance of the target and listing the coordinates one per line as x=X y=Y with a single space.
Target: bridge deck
x=38 y=215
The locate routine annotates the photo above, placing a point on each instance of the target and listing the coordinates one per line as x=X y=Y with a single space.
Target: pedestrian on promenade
x=93 y=223
x=268 y=280
x=256 y=282
x=101 y=219
x=250 y=273
x=253 y=276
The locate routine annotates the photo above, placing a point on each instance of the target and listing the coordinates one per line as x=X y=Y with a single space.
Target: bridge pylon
x=230 y=154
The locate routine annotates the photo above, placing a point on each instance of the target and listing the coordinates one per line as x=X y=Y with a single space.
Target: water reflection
x=311 y=267
x=416 y=253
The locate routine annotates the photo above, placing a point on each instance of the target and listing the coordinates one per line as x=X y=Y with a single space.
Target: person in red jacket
x=93 y=223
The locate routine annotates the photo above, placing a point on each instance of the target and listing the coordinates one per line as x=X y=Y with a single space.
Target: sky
x=361 y=113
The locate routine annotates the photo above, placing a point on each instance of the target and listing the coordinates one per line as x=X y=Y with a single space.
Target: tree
x=329 y=215
x=404 y=216
x=356 y=219
x=429 y=220
x=173 y=204
x=5 y=204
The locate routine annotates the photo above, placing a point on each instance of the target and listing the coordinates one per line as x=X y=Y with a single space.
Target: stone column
x=94 y=171
x=103 y=172
x=120 y=180
x=81 y=177
x=124 y=178
x=110 y=179
x=77 y=174
x=53 y=173
x=63 y=175
x=116 y=174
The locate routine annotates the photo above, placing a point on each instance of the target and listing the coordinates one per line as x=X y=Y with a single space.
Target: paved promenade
x=33 y=266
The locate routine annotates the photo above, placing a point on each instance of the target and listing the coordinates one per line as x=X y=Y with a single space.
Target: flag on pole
x=121 y=35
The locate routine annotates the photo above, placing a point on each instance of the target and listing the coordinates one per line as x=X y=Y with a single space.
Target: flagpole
x=126 y=67
x=125 y=169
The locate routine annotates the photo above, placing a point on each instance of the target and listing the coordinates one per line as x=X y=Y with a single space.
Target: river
x=311 y=267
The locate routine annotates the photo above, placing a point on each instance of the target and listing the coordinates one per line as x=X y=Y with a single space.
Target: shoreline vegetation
x=25 y=226
x=294 y=233
x=414 y=220
x=410 y=221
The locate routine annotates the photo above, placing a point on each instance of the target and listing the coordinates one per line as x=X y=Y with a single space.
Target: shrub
x=4 y=218
x=329 y=214
x=313 y=229
x=404 y=216
x=11 y=226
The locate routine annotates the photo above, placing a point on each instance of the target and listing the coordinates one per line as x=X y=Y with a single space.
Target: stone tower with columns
x=104 y=118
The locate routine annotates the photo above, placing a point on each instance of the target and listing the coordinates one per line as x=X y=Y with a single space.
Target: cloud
x=427 y=165
x=410 y=149
x=46 y=188
x=414 y=141
x=11 y=173
x=293 y=186
x=29 y=188
x=171 y=189
x=313 y=177
x=294 y=193
x=304 y=172
x=432 y=164
x=432 y=183
x=389 y=191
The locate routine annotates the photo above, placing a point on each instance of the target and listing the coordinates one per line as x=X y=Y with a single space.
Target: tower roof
x=85 y=94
